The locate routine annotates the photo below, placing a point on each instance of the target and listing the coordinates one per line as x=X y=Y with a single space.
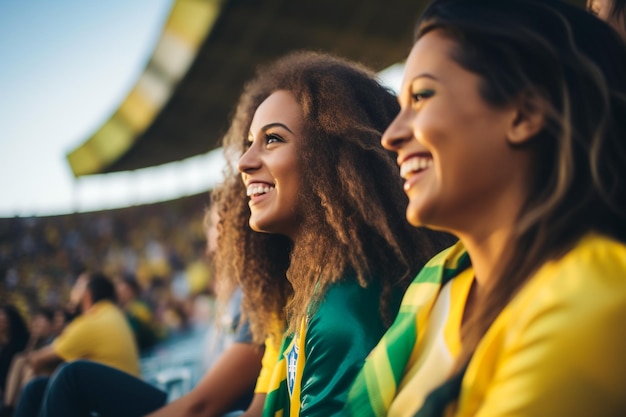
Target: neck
x=87 y=305
x=487 y=253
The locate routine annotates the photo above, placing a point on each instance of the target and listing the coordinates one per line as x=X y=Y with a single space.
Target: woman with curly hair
x=511 y=136
x=334 y=253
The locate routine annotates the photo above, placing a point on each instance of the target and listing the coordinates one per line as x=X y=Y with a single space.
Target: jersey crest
x=292 y=361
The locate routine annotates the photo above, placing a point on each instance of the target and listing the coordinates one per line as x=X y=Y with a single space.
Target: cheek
x=290 y=174
x=437 y=119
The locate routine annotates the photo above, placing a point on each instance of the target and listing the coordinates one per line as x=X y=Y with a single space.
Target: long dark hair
x=18 y=331
x=353 y=205
x=548 y=52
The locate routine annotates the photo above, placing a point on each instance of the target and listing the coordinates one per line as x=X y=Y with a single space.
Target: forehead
x=280 y=107
x=431 y=55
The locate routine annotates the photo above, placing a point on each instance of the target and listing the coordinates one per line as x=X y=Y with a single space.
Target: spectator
x=60 y=319
x=511 y=135
x=324 y=205
x=138 y=313
x=20 y=372
x=101 y=334
x=13 y=339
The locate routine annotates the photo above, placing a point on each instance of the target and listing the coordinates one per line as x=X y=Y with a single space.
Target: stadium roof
x=181 y=104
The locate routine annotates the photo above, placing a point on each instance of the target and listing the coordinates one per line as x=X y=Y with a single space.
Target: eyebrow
x=417 y=77
x=268 y=126
x=423 y=75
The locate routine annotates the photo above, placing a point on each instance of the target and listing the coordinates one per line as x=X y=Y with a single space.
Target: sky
x=65 y=67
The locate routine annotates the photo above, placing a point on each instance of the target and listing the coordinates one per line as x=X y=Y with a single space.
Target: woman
x=611 y=11
x=20 y=371
x=510 y=136
x=333 y=253
x=13 y=339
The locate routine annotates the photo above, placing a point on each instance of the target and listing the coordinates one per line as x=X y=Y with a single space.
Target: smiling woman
x=510 y=136
x=335 y=252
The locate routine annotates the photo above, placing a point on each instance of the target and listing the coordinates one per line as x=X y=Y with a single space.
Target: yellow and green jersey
x=557 y=348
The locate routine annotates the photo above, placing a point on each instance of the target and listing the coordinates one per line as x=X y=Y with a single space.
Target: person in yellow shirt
x=100 y=334
x=511 y=136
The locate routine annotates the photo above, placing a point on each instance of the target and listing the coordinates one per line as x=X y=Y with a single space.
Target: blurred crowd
x=154 y=252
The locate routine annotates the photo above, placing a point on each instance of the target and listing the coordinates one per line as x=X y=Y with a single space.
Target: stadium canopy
x=180 y=105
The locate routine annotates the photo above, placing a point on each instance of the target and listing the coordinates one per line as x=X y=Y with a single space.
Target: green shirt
x=318 y=364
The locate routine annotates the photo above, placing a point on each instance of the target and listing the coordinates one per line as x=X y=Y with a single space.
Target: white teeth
x=258 y=189
x=414 y=164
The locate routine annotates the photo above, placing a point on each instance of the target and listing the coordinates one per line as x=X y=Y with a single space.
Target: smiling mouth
x=255 y=190
x=414 y=165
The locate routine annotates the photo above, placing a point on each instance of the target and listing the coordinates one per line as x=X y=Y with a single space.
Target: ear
x=529 y=119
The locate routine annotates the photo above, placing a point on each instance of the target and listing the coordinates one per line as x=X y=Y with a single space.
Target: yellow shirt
x=559 y=348
x=268 y=365
x=102 y=334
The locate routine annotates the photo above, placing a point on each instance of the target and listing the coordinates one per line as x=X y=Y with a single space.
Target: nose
x=398 y=133
x=250 y=160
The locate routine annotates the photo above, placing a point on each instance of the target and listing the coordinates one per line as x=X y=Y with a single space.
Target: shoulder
x=347 y=299
x=562 y=334
x=347 y=313
x=576 y=304
x=587 y=279
x=104 y=315
x=105 y=309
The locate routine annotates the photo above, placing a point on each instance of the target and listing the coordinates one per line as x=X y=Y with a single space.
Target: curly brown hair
x=352 y=212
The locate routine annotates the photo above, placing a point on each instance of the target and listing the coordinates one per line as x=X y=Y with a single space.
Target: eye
x=272 y=138
x=421 y=95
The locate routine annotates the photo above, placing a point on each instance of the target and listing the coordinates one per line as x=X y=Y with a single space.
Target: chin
x=259 y=227
x=414 y=217
x=255 y=226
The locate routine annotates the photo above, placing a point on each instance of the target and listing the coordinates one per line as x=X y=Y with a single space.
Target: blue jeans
x=82 y=388
x=31 y=397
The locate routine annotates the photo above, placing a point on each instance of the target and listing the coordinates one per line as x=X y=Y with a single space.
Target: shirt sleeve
x=74 y=341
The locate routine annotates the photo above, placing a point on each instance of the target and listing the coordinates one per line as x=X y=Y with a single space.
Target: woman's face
x=452 y=146
x=41 y=326
x=269 y=167
x=59 y=322
x=124 y=292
